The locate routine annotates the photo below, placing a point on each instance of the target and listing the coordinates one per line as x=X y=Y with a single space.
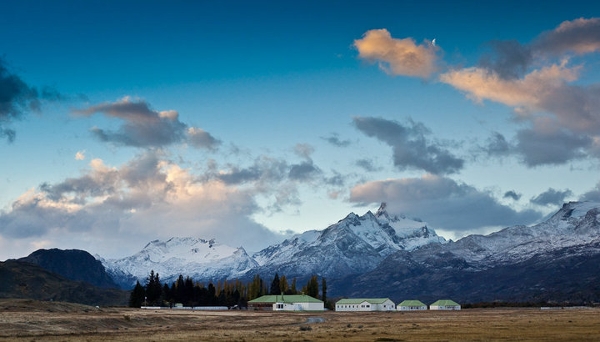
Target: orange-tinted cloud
x=397 y=56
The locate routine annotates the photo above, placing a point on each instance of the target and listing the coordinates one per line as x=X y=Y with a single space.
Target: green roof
x=445 y=302
x=412 y=303
x=285 y=299
x=361 y=300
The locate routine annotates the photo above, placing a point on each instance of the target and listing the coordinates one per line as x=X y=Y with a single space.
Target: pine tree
x=136 y=299
x=275 y=286
x=153 y=288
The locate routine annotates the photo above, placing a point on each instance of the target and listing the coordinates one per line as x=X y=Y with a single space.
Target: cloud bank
x=147 y=198
x=442 y=202
x=410 y=146
x=559 y=119
x=17 y=98
x=144 y=127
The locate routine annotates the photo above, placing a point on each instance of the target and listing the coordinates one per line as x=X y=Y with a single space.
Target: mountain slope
x=197 y=258
x=26 y=280
x=556 y=260
x=353 y=245
x=72 y=264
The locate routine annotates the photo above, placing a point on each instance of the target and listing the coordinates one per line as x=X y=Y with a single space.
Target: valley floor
x=26 y=320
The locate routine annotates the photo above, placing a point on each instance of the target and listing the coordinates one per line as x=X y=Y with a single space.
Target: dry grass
x=43 y=321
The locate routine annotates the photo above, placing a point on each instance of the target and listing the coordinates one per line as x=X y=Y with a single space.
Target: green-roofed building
x=365 y=304
x=286 y=303
x=412 y=305
x=444 y=304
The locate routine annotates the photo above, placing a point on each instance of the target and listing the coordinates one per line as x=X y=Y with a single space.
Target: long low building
x=412 y=305
x=287 y=303
x=444 y=304
x=365 y=304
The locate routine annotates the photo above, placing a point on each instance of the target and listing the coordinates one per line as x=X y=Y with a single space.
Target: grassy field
x=26 y=320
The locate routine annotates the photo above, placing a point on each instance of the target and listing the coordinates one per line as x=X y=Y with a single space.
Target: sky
x=123 y=122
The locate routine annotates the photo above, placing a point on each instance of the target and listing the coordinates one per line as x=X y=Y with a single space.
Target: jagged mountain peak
x=575 y=210
x=353 y=244
x=198 y=258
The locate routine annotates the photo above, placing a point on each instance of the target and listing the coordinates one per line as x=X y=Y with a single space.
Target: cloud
x=145 y=127
x=80 y=155
x=497 y=145
x=551 y=197
x=580 y=36
x=442 y=202
x=411 y=149
x=367 y=165
x=397 y=56
x=554 y=147
x=200 y=138
x=147 y=198
x=592 y=195
x=335 y=140
x=512 y=194
x=17 y=98
x=304 y=171
x=537 y=80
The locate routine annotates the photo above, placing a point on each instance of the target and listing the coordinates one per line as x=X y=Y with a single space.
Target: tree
x=153 y=288
x=293 y=290
x=136 y=299
x=312 y=287
x=275 y=285
x=255 y=289
x=283 y=285
x=324 y=290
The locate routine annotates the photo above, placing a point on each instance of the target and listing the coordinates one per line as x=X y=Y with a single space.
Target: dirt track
x=43 y=321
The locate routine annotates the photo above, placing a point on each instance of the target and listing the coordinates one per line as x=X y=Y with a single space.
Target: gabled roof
x=412 y=303
x=445 y=302
x=362 y=300
x=285 y=299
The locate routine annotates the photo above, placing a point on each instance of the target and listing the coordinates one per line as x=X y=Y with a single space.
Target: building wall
x=412 y=308
x=442 y=307
x=298 y=307
x=366 y=306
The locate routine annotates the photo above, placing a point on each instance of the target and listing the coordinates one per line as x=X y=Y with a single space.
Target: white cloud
x=80 y=155
x=144 y=199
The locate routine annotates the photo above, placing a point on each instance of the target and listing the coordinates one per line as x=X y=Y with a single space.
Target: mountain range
x=383 y=255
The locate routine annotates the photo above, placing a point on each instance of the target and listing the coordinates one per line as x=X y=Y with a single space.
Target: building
x=286 y=303
x=412 y=305
x=444 y=304
x=365 y=304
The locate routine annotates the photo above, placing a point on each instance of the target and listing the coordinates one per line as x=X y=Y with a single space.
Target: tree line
x=224 y=293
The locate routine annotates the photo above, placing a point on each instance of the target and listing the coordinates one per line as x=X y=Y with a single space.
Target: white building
x=444 y=304
x=365 y=304
x=287 y=303
x=412 y=305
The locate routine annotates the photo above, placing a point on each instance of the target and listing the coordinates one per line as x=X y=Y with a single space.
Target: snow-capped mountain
x=387 y=255
x=197 y=258
x=576 y=223
x=556 y=260
x=355 y=244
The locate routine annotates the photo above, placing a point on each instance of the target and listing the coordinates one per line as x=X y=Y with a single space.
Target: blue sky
x=127 y=121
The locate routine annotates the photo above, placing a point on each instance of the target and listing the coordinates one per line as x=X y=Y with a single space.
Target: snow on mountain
x=576 y=223
x=198 y=258
x=352 y=245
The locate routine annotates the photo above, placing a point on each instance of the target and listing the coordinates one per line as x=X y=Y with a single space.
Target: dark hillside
x=25 y=280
